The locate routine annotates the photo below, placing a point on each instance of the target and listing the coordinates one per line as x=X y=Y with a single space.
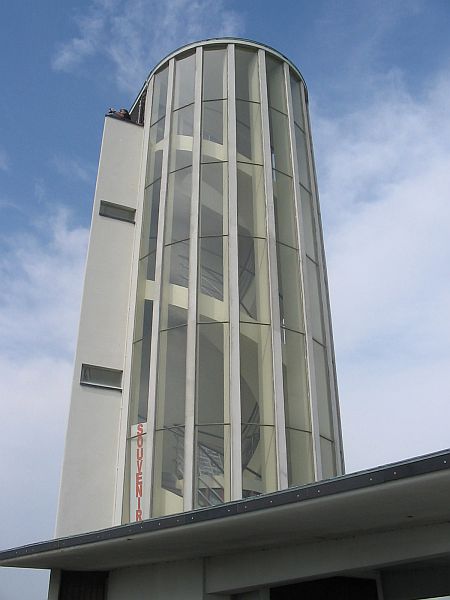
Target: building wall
x=204 y=369
x=232 y=379
x=88 y=483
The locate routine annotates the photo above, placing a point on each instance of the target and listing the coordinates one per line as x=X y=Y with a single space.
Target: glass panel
x=315 y=300
x=214 y=131
x=213 y=286
x=212 y=373
x=309 y=228
x=253 y=280
x=247 y=80
x=171 y=390
x=213 y=200
x=251 y=200
x=279 y=141
x=302 y=158
x=212 y=465
x=182 y=138
x=259 y=469
x=328 y=454
x=289 y=288
x=275 y=84
x=178 y=209
x=115 y=211
x=323 y=391
x=295 y=382
x=256 y=374
x=297 y=101
x=285 y=214
x=214 y=74
x=168 y=472
x=184 y=81
x=155 y=152
x=127 y=497
x=248 y=132
x=101 y=376
x=159 y=95
x=174 y=302
x=140 y=300
x=211 y=267
x=300 y=457
x=150 y=225
x=141 y=370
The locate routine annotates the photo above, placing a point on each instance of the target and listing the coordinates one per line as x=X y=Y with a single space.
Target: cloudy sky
x=378 y=74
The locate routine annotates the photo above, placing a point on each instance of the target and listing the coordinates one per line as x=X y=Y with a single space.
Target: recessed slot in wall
x=116 y=211
x=101 y=377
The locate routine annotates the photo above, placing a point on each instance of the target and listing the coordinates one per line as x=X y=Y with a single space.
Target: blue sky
x=378 y=74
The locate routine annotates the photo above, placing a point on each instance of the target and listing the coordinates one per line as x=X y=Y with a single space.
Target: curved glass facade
x=233 y=389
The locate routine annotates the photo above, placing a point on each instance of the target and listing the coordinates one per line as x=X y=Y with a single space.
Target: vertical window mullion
x=280 y=438
x=192 y=293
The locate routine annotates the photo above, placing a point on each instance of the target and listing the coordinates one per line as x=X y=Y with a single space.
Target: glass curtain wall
x=312 y=248
x=259 y=473
x=182 y=328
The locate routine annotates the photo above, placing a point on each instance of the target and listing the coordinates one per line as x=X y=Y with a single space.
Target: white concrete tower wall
x=217 y=318
x=89 y=474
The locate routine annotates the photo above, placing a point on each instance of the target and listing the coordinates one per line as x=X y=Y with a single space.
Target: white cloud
x=133 y=35
x=41 y=274
x=385 y=190
x=73 y=168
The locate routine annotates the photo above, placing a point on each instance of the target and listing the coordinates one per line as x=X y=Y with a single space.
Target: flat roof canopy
x=408 y=494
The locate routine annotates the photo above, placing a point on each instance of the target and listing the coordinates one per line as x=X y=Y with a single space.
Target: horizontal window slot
x=101 y=377
x=116 y=211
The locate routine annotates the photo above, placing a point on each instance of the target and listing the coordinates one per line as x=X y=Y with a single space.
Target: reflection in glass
x=285 y=214
x=212 y=373
x=289 y=288
x=248 y=132
x=182 y=138
x=302 y=158
x=150 y=226
x=214 y=74
x=174 y=301
x=247 y=80
x=297 y=101
x=315 y=301
x=184 y=81
x=251 y=200
x=279 y=141
x=275 y=84
x=178 y=208
x=213 y=288
x=141 y=369
x=256 y=379
x=212 y=465
x=171 y=387
x=259 y=470
x=295 y=382
x=213 y=199
x=155 y=152
x=323 y=391
x=211 y=267
x=308 y=223
x=159 y=95
x=168 y=475
x=253 y=280
x=327 y=451
x=300 y=457
x=214 y=127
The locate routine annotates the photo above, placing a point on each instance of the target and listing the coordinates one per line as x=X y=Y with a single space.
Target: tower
x=204 y=370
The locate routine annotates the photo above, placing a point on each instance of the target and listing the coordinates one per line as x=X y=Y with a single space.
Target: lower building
x=382 y=534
